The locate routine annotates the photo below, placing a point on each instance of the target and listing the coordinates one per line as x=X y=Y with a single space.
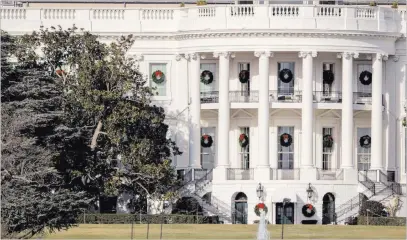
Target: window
x=327 y=87
x=245 y=87
x=285 y=154
x=286 y=88
x=391 y=176
x=363 y=153
x=212 y=86
x=245 y=151
x=363 y=90
x=285 y=214
x=208 y=154
x=326 y=151
x=161 y=88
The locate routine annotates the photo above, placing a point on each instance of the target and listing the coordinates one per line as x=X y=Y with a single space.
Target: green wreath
x=244 y=76
x=258 y=206
x=158 y=77
x=206 y=141
x=243 y=140
x=328 y=141
x=308 y=210
x=206 y=77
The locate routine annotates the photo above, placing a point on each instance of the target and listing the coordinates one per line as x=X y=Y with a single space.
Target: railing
x=210 y=97
x=187 y=19
x=334 y=174
x=362 y=98
x=240 y=174
x=200 y=173
x=351 y=204
x=286 y=174
x=367 y=175
x=363 y=177
x=328 y=97
x=188 y=176
x=285 y=96
x=284 y=11
x=244 y=96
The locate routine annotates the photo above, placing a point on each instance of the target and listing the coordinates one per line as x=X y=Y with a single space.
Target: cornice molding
x=177 y=36
x=381 y=57
x=348 y=55
x=225 y=54
x=304 y=54
x=263 y=54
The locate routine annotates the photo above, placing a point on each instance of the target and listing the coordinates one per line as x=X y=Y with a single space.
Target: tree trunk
x=95 y=135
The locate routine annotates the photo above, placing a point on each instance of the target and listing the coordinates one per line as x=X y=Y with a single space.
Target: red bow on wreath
x=285 y=137
x=158 y=74
x=261 y=206
x=241 y=137
x=310 y=207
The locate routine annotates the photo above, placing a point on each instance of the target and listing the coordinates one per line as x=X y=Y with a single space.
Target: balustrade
x=244 y=96
x=328 y=97
x=240 y=174
x=108 y=14
x=332 y=174
x=284 y=11
x=285 y=95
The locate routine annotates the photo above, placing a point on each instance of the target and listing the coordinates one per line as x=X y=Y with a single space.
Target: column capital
x=179 y=56
x=304 y=54
x=192 y=56
x=348 y=55
x=381 y=57
x=226 y=55
x=263 y=54
x=395 y=58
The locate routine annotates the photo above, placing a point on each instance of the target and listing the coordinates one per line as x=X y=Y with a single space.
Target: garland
x=365 y=77
x=285 y=75
x=244 y=76
x=206 y=77
x=206 y=141
x=286 y=140
x=243 y=140
x=365 y=141
x=328 y=77
x=328 y=141
x=308 y=210
x=258 y=207
x=158 y=77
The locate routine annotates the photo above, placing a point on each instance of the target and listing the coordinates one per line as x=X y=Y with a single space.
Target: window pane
x=245 y=151
x=285 y=154
x=363 y=153
x=360 y=87
x=327 y=151
x=286 y=88
x=208 y=154
x=212 y=86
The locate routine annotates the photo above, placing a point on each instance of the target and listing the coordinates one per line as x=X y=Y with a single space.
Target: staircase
x=197 y=185
x=379 y=191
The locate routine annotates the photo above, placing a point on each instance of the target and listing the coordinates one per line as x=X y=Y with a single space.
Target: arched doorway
x=328 y=208
x=207 y=197
x=240 y=210
x=187 y=205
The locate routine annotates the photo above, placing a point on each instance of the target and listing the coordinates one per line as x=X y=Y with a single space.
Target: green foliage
x=382 y=221
x=376 y=208
x=34 y=194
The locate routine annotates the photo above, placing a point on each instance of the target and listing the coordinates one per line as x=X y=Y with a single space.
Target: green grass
x=226 y=231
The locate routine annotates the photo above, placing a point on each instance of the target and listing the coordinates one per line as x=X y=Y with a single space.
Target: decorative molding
x=263 y=54
x=395 y=58
x=382 y=56
x=192 y=56
x=224 y=54
x=304 y=54
x=369 y=56
x=348 y=55
x=178 y=57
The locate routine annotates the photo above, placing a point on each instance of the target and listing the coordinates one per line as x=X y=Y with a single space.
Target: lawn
x=221 y=231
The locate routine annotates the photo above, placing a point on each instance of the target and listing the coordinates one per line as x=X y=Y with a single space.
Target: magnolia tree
x=106 y=136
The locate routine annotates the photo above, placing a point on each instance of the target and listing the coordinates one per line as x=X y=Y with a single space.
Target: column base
x=308 y=174
x=262 y=173
x=219 y=174
x=350 y=175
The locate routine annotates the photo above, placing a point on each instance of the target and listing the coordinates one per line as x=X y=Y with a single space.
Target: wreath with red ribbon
x=328 y=141
x=243 y=140
x=258 y=207
x=308 y=210
x=158 y=77
x=286 y=140
x=206 y=141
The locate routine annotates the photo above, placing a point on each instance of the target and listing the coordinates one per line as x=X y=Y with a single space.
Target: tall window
x=286 y=88
x=361 y=88
x=363 y=153
x=208 y=154
x=212 y=86
x=244 y=87
x=161 y=88
x=245 y=151
x=285 y=154
x=327 y=87
x=326 y=151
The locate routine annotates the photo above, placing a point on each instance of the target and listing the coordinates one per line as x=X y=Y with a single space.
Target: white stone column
x=307 y=109
x=263 y=164
x=194 y=111
x=347 y=109
x=377 y=113
x=223 y=115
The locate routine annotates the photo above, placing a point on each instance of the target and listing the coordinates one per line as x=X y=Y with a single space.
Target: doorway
x=285 y=214
x=240 y=211
x=328 y=209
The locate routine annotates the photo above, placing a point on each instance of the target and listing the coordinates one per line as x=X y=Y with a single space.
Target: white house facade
x=295 y=97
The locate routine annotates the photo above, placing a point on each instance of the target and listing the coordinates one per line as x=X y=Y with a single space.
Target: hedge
x=382 y=221
x=99 y=218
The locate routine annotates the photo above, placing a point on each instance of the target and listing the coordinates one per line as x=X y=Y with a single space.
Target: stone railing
x=204 y=18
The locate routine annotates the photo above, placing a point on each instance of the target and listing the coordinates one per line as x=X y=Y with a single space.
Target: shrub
x=376 y=208
x=382 y=221
x=100 y=218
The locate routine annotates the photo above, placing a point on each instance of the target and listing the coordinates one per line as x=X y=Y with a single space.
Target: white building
x=314 y=71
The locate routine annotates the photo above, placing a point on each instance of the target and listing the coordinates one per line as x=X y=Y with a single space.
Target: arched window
x=240 y=209
x=328 y=209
